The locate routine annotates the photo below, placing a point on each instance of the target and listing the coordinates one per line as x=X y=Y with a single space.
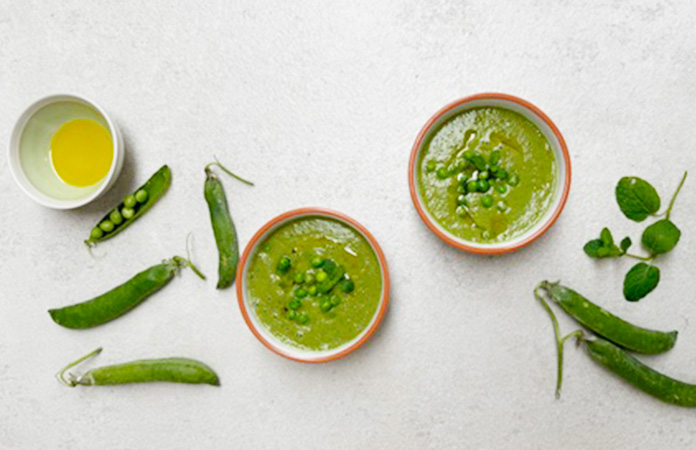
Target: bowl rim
x=469 y=246
x=286 y=217
x=18 y=173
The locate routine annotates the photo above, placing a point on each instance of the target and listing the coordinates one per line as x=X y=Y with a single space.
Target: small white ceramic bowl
x=550 y=131
x=266 y=337
x=23 y=173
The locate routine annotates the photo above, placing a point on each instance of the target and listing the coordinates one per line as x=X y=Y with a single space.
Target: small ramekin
x=550 y=131
x=18 y=171
x=272 y=342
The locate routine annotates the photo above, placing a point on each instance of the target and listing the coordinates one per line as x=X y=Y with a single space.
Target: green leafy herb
x=604 y=247
x=661 y=237
x=637 y=198
x=640 y=281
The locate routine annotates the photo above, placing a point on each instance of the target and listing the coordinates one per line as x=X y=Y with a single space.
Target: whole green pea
x=495 y=157
x=299 y=277
x=514 y=180
x=96 y=233
x=284 y=264
x=335 y=300
x=502 y=174
x=309 y=278
x=346 y=285
x=321 y=276
x=471 y=186
x=487 y=201
x=141 y=196
x=442 y=173
x=462 y=178
x=460 y=211
x=312 y=290
x=303 y=318
x=430 y=165
x=292 y=314
x=129 y=201
x=301 y=292
x=116 y=217
x=317 y=261
x=107 y=226
x=501 y=188
x=482 y=185
x=294 y=304
x=127 y=213
x=483 y=175
x=461 y=200
x=325 y=305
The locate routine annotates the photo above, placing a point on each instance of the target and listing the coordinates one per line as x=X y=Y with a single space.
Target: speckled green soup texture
x=270 y=291
x=514 y=156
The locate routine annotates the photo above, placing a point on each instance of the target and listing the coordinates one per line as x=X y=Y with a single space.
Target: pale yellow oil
x=82 y=152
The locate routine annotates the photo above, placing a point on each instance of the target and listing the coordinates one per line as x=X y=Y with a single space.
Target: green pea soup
x=487 y=175
x=323 y=320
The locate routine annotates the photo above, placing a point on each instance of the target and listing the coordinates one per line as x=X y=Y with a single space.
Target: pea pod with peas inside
x=172 y=370
x=121 y=299
x=641 y=376
x=223 y=226
x=132 y=207
x=607 y=325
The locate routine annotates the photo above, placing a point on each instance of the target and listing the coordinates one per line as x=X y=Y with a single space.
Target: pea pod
x=133 y=207
x=223 y=226
x=607 y=325
x=639 y=375
x=121 y=299
x=172 y=370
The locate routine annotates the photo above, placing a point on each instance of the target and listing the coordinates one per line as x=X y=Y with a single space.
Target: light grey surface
x=320 y=105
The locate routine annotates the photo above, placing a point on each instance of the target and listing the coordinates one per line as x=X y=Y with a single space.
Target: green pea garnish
x=284 y=264
x=487 y=201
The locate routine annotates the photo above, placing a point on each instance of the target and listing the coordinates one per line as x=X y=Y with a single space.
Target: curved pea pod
x=223 y=226
x=155 y=187
x=121 y=299
x=170 y=370
x=639 y=375
x=607 y=325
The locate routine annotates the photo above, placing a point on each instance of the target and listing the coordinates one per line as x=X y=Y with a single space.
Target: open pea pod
x=132 y=207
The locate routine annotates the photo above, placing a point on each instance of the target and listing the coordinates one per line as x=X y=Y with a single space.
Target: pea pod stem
x=227 y=171
x=560 y=340
x=72 y=381
x=183 y=262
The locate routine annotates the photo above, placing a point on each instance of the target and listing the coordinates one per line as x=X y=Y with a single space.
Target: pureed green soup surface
x=487 y=175
x=314 y=283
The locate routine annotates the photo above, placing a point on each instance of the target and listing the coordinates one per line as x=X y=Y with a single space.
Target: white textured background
x=319 y=105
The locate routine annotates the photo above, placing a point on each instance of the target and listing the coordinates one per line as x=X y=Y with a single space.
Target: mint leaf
x=591 y=249
x=640 y=281
x=606 y=237
x=637 y=198
x=626 y=244
x=661 y=237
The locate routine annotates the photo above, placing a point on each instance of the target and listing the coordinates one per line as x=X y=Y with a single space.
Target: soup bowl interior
x=261 y=332
x=547 y=128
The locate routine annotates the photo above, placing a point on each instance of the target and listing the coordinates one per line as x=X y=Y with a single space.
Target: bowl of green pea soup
x=313 y=285
x=489 y=173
